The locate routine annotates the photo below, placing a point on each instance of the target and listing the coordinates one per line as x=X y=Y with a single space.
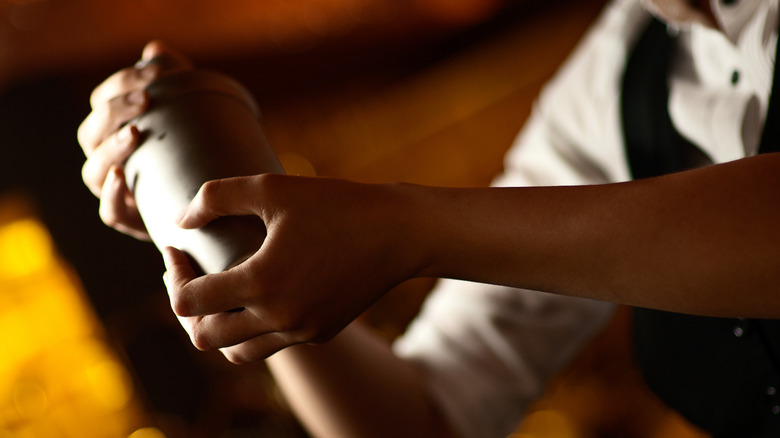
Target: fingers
x=225 y=197
x=117 y=206
x=224 y=329
x=121 y=98
x=122 y=82
x=257 y=348
x=234 y=334
x=199 y=296
x=114 y=151
x=108 y=116
x=212 y=318
x=116 y=101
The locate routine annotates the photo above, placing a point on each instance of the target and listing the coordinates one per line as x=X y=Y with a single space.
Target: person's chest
x=720 y=82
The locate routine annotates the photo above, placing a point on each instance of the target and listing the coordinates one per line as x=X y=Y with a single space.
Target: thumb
x=178 y=269
x=217 y=198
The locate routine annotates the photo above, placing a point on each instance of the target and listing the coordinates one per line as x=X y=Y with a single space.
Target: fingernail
x=110 y=184
x=113 y=177
x=110 y=180
x=136 y=97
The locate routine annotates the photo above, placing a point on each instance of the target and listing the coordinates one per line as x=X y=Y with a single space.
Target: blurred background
x=423 y=91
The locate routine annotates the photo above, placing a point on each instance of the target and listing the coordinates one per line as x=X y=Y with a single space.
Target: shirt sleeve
x=487 y=350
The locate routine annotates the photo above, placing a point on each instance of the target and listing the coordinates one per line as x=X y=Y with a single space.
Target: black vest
x=721 y=374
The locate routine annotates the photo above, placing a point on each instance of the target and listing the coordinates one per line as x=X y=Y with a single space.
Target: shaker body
x=200 y=126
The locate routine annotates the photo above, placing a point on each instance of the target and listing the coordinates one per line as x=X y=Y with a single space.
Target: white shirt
x=488 y=349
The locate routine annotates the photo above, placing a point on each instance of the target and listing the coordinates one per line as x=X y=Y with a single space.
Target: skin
x=351 y=386
x=701 y=242
x=684 y=11
x=663 y=243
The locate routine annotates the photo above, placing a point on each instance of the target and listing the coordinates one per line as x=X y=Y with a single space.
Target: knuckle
x=106 y=119
x=179 y=304
x=271 y=191
x=114 y=85
x=299 y=328
x=209 y=191
x=88 y=176
x=208 y=198
x=98 y=93
x=121 y=109
x=88 y=133
x=234 y=357
x=313 y=329
x=265 y=179
x=108 y=214
x=268 y=182
x=200 y=338
x=314 y=335
x=289 y=322
x=82 y=135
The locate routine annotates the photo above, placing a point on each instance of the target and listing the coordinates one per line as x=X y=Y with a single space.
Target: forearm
x=703 y=242
x=354 y=386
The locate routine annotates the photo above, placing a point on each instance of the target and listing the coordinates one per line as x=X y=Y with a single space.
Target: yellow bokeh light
x=30 y=399
x=58 y=375
x=109 y=384
x=296 y=164
x=25 y=248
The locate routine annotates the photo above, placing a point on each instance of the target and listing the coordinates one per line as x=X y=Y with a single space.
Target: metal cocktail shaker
x=200 y=126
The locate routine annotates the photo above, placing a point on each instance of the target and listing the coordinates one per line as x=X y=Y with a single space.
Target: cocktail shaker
x=200 y=126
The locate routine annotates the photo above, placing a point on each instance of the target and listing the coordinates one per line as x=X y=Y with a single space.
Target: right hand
x=107 y=138
x=333 y=248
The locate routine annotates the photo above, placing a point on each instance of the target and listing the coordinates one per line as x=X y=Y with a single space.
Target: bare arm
x=701 y=242
x=351 y=386
x=354 y=386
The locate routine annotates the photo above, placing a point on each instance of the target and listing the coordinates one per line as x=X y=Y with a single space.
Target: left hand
x=108 y=137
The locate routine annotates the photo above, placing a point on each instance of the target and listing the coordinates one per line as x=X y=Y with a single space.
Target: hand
x=333 y=248
x=107 y=139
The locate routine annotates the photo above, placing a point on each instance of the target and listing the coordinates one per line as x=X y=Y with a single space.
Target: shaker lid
x=188 y=82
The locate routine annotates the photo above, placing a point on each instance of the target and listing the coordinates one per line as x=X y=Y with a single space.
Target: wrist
x=424 y=227
x=404 y=217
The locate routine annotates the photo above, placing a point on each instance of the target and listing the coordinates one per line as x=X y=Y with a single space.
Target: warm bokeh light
x=58 y=375
x=25 y=248
x=147 y=432
x=296 y=164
